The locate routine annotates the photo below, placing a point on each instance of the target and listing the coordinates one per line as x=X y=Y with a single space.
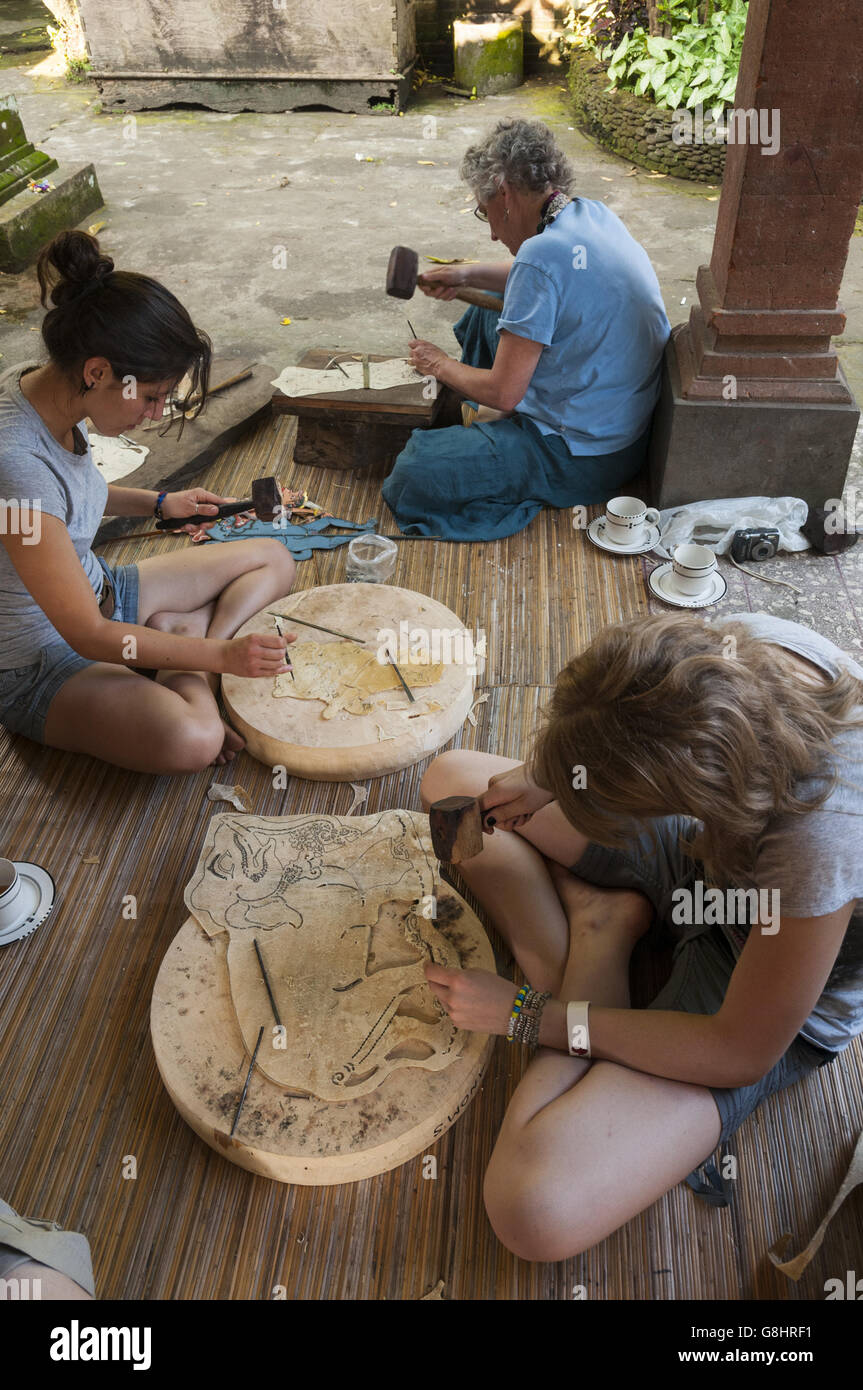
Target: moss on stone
x=491 y=65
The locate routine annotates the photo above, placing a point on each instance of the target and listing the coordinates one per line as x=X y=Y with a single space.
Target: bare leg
x=585 y=1146
x=171 y=724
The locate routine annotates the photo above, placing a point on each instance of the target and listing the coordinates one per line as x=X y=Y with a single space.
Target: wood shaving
x=794 y=1268
x=360 y=795
x=223 y=791
x=480 y=700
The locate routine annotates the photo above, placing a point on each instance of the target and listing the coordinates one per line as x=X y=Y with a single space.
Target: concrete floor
x=204 y=201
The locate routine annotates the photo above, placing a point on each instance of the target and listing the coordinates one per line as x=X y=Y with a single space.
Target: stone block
x=30 y=220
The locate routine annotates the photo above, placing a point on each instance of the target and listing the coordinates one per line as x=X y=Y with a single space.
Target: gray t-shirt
x=815 y=861
x=36 y=470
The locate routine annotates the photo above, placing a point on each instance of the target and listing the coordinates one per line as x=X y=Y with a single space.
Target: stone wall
x=634 y=128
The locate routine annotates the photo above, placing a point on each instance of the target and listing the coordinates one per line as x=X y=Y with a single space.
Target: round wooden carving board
x=293 y=734
x=203 y=1064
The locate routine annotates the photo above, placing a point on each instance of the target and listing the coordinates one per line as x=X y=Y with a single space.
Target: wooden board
x=294 y=734
x=339 y=895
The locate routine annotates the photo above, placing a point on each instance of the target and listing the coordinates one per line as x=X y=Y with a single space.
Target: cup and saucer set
x=26 y=898
x=691 y=579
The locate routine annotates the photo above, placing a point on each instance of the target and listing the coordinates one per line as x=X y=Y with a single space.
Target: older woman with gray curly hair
x=569 y=366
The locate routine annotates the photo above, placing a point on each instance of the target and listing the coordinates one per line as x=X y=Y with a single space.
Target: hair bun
x=71 y=264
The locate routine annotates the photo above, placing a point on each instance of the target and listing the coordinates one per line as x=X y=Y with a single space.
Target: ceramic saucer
x=36 y=900
x=661 y=581
x=596 y=532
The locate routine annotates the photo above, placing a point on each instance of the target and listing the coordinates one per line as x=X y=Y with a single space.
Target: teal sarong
x=491 y=479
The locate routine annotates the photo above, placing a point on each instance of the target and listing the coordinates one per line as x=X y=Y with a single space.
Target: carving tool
x=405 y=685
x=267 y=982
x=248 y=1079
x=290 y=666
x=412 y=329
x=265 y=502
x=402 y=280
x=289 y=618
x=366 y=373
x=333 y=363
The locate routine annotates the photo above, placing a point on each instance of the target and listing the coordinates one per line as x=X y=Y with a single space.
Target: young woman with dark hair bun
x=75 y=634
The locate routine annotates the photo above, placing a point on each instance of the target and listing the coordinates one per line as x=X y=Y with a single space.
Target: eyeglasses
x=483 y=216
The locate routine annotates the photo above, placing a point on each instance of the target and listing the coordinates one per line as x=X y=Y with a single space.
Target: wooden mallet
x=265 y=502
x=403 y=278
x=455 y=824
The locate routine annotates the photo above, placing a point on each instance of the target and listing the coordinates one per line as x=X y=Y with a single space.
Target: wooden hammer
x=455 y=824
x=265 y=502
x=402 y=280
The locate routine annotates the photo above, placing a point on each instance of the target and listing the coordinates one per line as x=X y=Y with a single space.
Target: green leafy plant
x=694 y=61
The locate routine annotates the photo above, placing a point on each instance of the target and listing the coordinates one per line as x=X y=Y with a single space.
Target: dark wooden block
x=356 y=429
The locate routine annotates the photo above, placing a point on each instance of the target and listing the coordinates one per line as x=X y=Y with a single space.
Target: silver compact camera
x=755 y=543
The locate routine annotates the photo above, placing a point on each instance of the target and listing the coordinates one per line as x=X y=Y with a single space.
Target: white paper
x=114 y=458
x=312 y=381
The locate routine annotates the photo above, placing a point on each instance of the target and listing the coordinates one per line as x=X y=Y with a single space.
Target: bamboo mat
x=81 y=1091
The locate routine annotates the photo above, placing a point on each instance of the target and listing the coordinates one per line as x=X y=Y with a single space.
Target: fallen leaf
x=286 y=320
x=425 y=161
x=96 y=227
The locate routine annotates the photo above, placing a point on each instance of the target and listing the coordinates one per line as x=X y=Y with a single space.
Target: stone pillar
x=754 y=400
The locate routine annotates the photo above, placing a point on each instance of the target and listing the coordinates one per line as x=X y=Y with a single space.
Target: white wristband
x=577 y=1030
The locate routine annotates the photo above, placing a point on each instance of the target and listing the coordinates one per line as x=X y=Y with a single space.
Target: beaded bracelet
x=157 y=510
x=526 y=1029
x=516 y=1010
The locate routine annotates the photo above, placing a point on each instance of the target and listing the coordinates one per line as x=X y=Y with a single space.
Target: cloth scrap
x=300 y=540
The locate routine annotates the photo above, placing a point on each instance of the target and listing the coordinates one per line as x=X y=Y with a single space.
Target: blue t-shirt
x=586 y=289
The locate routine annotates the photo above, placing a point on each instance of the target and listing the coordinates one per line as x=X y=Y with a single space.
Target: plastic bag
x=714 y=522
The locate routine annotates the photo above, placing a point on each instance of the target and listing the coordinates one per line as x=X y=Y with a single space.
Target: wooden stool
x=358 y=429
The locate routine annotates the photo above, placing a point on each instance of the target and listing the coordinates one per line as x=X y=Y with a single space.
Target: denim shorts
x=27 y=691
x=654 y=863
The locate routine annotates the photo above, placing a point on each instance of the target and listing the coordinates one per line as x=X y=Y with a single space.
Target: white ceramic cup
x=626 y=520
x=10 y=892
x=694 y=567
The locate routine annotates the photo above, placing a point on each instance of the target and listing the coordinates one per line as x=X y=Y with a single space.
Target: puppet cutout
x=345 y=676
x=336 y=908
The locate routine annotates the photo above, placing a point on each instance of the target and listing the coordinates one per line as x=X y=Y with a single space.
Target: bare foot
x=588 y=908
x=234 y=742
